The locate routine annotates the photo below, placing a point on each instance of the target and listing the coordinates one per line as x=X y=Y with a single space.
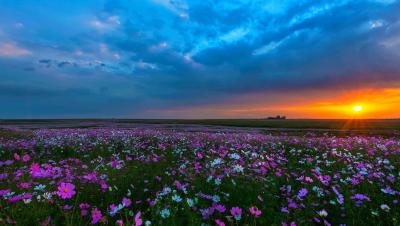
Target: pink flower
x=138 y=220
x=219 y=222
x=120 y=222
x=96 y=215
x=26 y=158
x=309 y=179
x=66 y=190
x=255 y=211
x=16 y=156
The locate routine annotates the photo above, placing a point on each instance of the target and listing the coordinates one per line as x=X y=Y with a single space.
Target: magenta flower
x=103 y=186
x=84 y=205
x=138 y=220
x=255 y=211
x=66 y=190
x=236 y=212
x=113 y=208
x=115 y=164
x=26 y=158
x=220 y=208
x=96 y=216
x=219 y=222
x=16 y=156
x=84 y=212
x=35 y=167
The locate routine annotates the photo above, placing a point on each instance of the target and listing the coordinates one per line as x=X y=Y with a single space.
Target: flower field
x=166 y=177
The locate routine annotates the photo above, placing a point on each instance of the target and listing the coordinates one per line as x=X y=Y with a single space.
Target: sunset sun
x=357 y=108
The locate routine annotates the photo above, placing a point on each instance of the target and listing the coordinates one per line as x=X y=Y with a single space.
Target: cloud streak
x=10 y=49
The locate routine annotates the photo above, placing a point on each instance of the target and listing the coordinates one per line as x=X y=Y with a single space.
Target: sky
x=199 y=58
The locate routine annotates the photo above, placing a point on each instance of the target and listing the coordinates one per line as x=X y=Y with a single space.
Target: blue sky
x=190 y=59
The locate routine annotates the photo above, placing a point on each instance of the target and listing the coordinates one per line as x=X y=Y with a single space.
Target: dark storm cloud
x=158 y=54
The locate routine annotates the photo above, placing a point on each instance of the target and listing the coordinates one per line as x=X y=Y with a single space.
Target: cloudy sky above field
x=199 y=58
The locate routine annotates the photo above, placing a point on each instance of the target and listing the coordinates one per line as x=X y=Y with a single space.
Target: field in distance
x=387 y=125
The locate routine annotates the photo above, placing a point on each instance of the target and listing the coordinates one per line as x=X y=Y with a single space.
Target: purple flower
x=360 y=197
x=284 y=210
x=340 y=197
x=303 y=192
x=96 y=216
x=388 y=190
x=126 y=202
x=138 y=220
x=4 y=192
x=220 y=208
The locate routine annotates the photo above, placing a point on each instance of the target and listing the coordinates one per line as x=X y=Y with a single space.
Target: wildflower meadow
x=166 y=177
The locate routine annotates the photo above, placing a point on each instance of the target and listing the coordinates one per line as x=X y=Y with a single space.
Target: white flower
x=190 y=202
x=238 y=168
x=216 y=162
x=176 y=198
x=323 y=213
x=216 y=198
x=385 y=207
x=235 y=156
x=47 y=195
x=165 y=213
x=40 y=187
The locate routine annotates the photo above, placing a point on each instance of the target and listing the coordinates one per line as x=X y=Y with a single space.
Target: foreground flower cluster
x=149 y=177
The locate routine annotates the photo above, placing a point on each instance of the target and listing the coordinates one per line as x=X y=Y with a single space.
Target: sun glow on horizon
x=354 y=104
x=357 y=108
